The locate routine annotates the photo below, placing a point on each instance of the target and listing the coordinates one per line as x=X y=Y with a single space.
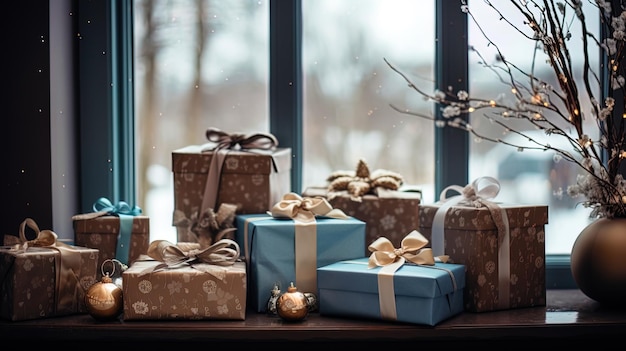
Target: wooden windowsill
x=568 y=316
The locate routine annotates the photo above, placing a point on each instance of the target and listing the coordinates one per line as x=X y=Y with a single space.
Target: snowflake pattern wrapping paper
x=391 y=215
x=253 y=181
x=185 y=292
x=39 y=282
x=471 y=238
x=101 y=233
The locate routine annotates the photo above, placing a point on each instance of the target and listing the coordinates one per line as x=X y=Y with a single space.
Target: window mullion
x=451 y=70
x=286 y=81
x=106 y=151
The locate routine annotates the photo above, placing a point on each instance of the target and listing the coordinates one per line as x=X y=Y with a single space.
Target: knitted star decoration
x=362 y=181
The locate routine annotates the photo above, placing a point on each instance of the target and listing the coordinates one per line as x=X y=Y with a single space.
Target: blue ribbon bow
x=126 y=214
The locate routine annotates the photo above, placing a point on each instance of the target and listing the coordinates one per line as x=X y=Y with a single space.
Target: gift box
x=387 y=213
x=182 y=284
x=419 y=294
x=44 y=277
x=205 y=177
x=279 y=251
x=505 y=264
x=123 y=236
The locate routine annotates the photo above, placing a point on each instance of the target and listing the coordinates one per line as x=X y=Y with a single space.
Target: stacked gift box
x=249 y=171
x=118 y=231
x=379 y=198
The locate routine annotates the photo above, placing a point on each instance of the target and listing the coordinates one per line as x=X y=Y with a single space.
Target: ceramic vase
x=598 y=261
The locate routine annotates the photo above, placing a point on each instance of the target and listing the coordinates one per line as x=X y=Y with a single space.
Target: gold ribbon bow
x=304 y=209
x=412 y=249
x=44 y=238
x=225 y=252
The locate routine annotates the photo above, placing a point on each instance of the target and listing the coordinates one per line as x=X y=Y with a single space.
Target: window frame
x=106 y=102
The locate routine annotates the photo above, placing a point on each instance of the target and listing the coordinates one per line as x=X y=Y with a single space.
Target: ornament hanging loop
x=114 y=262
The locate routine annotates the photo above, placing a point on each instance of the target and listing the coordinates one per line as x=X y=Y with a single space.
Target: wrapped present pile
x=407 y=284
x=186 y=281
x=43 y=277
x=378 y=198
x=118 y=231
x=249 y=172
x=502 y=246
x=288 y=245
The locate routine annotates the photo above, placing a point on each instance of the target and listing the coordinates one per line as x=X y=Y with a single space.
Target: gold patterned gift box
x=389 y=209
x=248 y=171
x=118 y=231
x=44 y=277
x=501 y=245
x=186 y=282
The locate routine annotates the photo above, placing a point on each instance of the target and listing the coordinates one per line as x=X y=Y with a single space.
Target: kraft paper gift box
x=118 y=231
x=252 y=177
x=44 y=277
x=183 y=282
x=386 y=213
x=378 y=198
x=505 y=265
x=281 y=250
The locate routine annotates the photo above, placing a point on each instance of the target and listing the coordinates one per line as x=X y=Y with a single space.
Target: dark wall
x=26 y=175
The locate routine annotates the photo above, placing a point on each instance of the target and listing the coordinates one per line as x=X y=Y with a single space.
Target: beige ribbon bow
x=44 y=238
x=224 y=143
x=304 y=209
x=224 y=252
x=412 y=249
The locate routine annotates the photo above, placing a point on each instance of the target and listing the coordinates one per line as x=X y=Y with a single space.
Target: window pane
x=198 y=64
x=530 y=176
x=348 y=88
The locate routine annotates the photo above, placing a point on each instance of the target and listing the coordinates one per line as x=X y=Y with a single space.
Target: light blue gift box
x=269 y=249
x=423 y=294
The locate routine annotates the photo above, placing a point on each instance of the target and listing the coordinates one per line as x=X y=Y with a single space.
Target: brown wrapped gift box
x=38 y=283
x=101 y=233
x=252 y=180
x=185 y=292
x=392 y=215
x=471 y=239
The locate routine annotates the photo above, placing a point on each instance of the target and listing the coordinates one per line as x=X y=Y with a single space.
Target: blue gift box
x=422 y=294
x=269 y=246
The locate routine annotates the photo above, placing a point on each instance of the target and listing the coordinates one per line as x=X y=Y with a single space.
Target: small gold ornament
x=293 y=305
x=103 y=299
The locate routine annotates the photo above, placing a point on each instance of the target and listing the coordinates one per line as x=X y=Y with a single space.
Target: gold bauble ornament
x=103 y=299
x=293 y=305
